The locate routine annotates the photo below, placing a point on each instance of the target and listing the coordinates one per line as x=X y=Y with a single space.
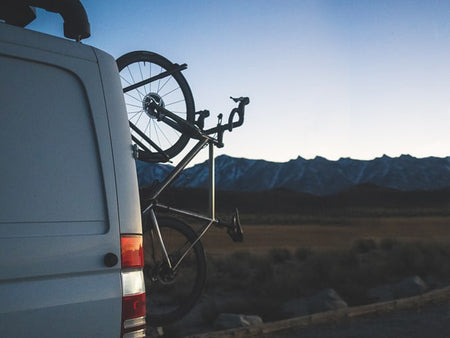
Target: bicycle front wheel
x=149 y=77
x=172 y=292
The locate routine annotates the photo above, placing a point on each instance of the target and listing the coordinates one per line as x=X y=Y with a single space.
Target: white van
x=70 y=227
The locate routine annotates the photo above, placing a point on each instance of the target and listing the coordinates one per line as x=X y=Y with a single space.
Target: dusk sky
x=334 y=79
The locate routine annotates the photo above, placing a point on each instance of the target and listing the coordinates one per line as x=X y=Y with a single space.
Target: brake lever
x=202 y=115
x=243 y=101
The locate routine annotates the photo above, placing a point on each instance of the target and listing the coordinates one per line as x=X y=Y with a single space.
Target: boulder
x=230 y=320
x=408 y=287
x=326 y=300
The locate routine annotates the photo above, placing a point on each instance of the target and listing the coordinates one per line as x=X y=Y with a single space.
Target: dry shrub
x=364 y=245
x=277 y=277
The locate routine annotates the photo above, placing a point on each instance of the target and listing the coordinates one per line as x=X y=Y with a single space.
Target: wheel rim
x=167 y=92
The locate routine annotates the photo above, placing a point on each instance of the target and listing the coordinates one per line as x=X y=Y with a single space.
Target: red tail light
x=133 y=286
x=132 y=253
x=133 y=306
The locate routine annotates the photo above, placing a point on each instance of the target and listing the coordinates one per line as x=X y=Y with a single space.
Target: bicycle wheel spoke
x=132 y=97
x=142 y=77
x=162 y=87
x=169 y=104
x=159 y=81
x=147 y=127
x=133 y=105
x=163 y=134
x=170 y=92
x=133 y=81
x=156 y=133
x=123 y=78
x=134 y=114
x=137 y=121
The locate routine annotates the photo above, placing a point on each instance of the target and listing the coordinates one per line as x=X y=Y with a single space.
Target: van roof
x=26 y=37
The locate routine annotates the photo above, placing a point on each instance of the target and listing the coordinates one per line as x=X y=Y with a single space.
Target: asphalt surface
x=432 y=321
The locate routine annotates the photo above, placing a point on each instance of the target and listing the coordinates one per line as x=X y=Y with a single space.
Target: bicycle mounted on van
x=162 y=119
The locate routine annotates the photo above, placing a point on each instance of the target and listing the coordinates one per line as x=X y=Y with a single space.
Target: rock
x=231 y=320
x=409 y=287
x=195 y=321
x=326 y=300
x=381 y=293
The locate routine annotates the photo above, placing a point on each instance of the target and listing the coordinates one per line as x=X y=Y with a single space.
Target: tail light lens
x=132 y=253
x=133 y=287
x=134 y=306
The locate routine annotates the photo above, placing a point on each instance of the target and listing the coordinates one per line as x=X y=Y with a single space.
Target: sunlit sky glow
x=334 y=79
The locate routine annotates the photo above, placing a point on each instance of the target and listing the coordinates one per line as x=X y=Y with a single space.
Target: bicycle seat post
x=212 y=183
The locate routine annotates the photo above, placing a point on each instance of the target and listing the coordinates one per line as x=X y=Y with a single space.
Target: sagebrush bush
x=364 y=245
x=279 y=276
x=388 y=243
x=278 y=255
x=302 y=253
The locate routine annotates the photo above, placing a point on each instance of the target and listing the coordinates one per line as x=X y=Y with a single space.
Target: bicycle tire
x=171 y=296
x=171 y=92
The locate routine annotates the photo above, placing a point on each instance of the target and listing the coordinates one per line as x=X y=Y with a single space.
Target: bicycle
x=175 y=263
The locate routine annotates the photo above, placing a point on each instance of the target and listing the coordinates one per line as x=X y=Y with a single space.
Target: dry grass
x=262 y=238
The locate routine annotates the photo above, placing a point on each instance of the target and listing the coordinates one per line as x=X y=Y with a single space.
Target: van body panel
x=127 y=184
x=62 y=306
x=66 y=192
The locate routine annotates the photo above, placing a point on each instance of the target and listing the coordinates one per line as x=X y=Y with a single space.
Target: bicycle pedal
x=235 y=231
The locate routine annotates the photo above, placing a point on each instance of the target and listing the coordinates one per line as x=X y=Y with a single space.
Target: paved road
x=429 y=322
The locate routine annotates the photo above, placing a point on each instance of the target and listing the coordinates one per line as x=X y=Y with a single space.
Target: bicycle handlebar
x=196 y=130
x=220 y=128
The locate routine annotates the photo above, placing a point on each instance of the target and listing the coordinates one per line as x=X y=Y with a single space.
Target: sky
x=358 y=79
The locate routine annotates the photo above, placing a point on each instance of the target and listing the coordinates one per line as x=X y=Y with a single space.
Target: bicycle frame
x=154 y=204
x=234 y=229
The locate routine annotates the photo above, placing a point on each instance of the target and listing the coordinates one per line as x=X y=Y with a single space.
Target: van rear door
x=59 y=211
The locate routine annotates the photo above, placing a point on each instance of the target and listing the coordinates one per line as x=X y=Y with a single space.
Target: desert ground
x=260 y=238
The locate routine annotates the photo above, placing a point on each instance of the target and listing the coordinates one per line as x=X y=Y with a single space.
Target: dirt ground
x=262 y=238
x=432 y=321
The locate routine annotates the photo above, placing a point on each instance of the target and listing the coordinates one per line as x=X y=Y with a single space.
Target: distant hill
x=318 y=176
x=361 y=201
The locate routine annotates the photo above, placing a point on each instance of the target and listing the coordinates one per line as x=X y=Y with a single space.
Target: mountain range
x=317 y=176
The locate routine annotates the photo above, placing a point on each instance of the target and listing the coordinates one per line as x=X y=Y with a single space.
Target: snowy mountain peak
x=318 y=176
